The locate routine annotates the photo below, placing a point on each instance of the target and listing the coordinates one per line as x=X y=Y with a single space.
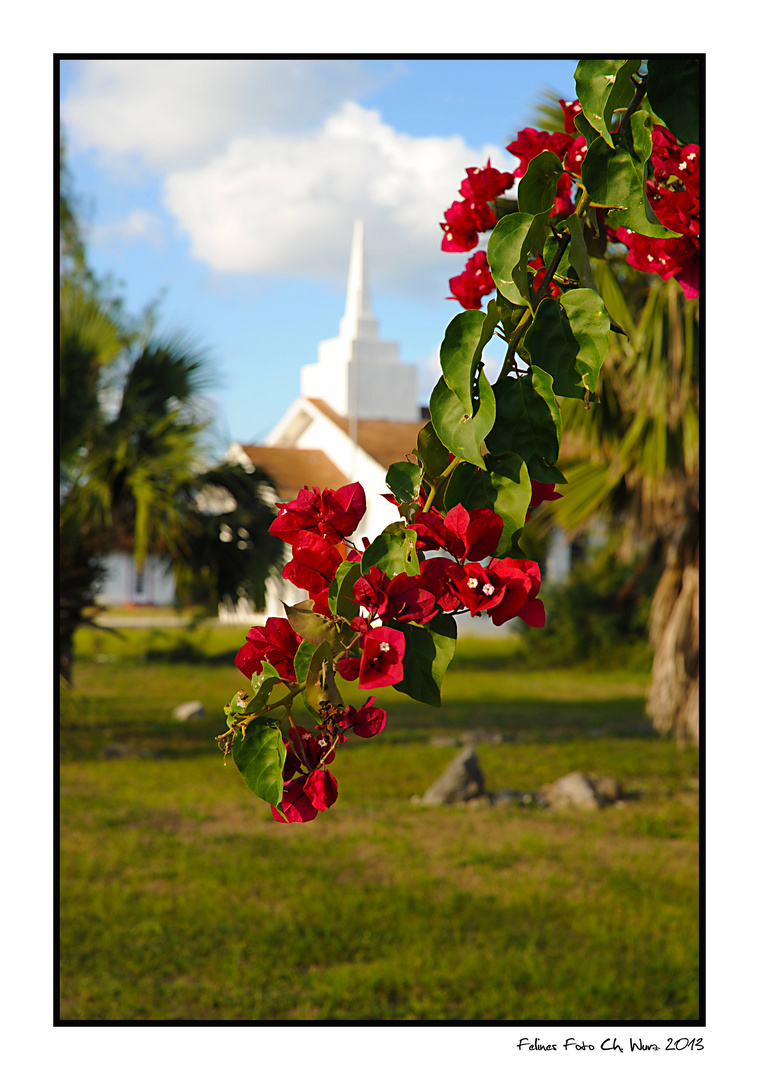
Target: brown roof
x=384 y=440
x=291 y=468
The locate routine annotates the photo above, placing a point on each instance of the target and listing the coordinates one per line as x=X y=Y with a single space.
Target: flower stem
x=433 y=490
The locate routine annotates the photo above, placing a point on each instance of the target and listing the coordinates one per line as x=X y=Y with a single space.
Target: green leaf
x=460 y=352
x=309 y=625
x=533 y=244
x=320 y=679
x=429 y=651
x=537 y=188
x=508 y=483
x=528 y=422
x=613 y=180
x=457 y=430
x=578 y=253
x=465 y=486
x=262 y=687
x=511 y=244
x=340 y=595
x=503 y=206
x=505 y=252
x=404 y=478
x=568 y=339
x=302 y=660
x=238 y=704
x=674 y=92
x=585 y=128
x=431 y=453
x=260 y=757
x=603 y=88
x=510 y=314
x=393 y=551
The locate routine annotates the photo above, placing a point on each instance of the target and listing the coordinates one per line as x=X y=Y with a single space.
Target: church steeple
x=358 y=322
x=357 y=373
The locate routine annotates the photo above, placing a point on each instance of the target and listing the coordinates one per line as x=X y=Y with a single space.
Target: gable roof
x=384 y=440
x=291 y=468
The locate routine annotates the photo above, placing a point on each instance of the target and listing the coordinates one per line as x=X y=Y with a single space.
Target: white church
x=357 y=413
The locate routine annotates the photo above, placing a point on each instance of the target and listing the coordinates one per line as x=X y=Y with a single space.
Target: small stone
x=189 y=710
x=573 y=790
x=608 y=789
x=461 y=781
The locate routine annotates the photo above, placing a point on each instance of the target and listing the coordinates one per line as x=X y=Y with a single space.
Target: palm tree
x=134 y=474
x=134 y=471
x=637 y=466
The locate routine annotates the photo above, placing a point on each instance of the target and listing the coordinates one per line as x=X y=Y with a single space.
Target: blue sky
x=228 y=189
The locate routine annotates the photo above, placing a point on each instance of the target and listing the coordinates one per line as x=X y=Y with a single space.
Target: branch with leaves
x=625 y=169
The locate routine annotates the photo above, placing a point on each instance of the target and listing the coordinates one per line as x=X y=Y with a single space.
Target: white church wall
x=126 y=583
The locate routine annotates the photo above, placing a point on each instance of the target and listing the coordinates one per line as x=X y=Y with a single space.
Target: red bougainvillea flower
x=304 y=747
x=321 y=789
x=485 y=185
x=348 y=668
x=381 y=657
x=276 y=642
x=438 y=576
x=526 y=577
x=529 y=143
x=466 y=534
x=365 y=722
x=481 y=587
x=543 y=493
x=473 y=283
x=313 y=564
x=335 y=515
x=402 y=597
x=571 y=110
x=296 y=804
x=461 y=228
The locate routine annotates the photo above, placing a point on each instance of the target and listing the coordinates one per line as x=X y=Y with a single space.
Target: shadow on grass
x=98 y=729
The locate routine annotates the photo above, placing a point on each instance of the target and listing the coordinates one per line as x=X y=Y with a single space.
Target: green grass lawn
x=182 y=899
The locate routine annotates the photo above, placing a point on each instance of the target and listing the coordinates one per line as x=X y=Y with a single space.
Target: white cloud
x=285 y=203
x=172 y=113
x=139 y=224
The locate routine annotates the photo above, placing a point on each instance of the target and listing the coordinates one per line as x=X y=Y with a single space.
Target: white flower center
x=384 y=646
x=472 y=583
x=488 y=589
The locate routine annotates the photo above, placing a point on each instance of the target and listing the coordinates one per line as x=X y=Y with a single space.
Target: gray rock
x=189 y=710
x=580 y=789
x=462 y=780
x=608 y=790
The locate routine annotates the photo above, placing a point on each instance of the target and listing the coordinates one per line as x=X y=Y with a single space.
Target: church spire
x=358 y=323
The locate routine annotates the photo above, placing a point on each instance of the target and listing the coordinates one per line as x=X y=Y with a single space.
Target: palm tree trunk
x=673 y=698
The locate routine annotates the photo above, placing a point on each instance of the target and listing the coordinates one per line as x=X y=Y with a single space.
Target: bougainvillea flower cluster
x=465 y=220
x=672 y=190
x=473 y=283
x=458 y=574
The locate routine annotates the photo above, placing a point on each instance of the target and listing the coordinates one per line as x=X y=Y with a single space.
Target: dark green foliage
x=598 y=616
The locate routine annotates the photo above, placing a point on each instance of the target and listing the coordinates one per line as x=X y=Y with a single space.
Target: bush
x=598 y=616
